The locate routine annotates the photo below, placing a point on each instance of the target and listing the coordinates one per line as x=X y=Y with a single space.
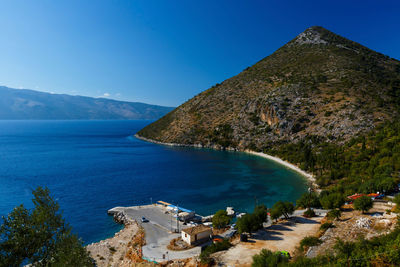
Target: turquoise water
x=92 y=166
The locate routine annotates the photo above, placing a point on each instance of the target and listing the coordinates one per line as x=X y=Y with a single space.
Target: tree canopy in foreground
x=40 y=236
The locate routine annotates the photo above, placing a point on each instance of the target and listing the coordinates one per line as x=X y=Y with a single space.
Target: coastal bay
x=92 y=166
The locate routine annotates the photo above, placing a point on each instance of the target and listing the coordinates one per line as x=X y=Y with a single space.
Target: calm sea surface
x=92 y=166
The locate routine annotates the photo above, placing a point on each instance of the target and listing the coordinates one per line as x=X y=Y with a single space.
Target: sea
x=92 y=166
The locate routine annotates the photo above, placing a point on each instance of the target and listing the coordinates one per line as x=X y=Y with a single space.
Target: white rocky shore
x=123 y=249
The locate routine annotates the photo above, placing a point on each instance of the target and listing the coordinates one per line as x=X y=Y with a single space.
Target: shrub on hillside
x=309 y=241
x=326 y=226
x=215 y=247
x=268 y=258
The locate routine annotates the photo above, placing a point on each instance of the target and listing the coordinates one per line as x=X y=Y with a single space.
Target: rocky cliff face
x=319 y=84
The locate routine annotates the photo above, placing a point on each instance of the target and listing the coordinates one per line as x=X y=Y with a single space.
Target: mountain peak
x=312 y=35
x=317 y=35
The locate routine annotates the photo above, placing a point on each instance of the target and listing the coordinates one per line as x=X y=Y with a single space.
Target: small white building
x=196 y=234
x=185 y=216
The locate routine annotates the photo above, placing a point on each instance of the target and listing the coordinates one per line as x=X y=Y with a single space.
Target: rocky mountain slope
x=319 y=85
x=17 y=104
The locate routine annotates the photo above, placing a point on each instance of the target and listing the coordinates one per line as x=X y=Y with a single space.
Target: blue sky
x=165 y=52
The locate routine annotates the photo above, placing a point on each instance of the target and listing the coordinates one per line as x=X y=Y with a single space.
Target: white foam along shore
x=309 y=176
x=289 y=165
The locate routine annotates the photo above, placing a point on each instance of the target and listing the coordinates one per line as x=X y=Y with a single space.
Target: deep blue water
x=92 y=166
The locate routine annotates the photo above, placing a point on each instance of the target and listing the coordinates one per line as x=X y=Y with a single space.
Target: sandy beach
x=288 y=165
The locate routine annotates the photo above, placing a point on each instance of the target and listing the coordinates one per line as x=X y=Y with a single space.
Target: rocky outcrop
x=119 y=216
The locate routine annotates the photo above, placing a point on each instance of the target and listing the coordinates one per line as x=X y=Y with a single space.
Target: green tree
x=308 y=200
x=332 y=201
x=221 y=219
x=363 y=203
x=261 y=213
x=268 y=258
x=275 y=214
x=281 y=208
x=40 y=236
x=246 y=224
x=253 y=221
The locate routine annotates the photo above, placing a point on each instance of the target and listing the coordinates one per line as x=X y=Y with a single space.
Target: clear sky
x=165 y=52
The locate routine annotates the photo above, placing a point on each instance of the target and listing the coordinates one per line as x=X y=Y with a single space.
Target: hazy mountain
x=16 y=104
x=319 y=84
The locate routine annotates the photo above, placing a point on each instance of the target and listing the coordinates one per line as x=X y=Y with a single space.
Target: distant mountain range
x=24 y=104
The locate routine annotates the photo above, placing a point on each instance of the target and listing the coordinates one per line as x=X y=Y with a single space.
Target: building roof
x=179 y=208
x=196 y=229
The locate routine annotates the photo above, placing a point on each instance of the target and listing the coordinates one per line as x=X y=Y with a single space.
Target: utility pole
x=151 y=201
x=177 y=218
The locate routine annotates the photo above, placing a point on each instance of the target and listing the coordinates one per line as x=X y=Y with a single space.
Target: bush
x=309 y=213
x=334 y=214
x=309 y=241
x=221 y=219
x=363 y=203
x=268 y=258
x=326 y=226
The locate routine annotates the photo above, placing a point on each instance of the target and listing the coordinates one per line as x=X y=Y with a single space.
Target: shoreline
x=280 y=161
x=286 y=164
